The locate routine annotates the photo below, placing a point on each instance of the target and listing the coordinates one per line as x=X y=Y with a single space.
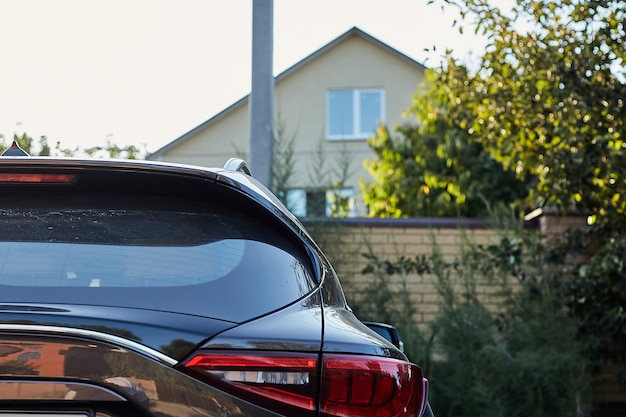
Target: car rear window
x=149 y=252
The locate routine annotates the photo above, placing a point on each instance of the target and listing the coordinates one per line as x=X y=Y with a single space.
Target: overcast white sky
x=147 y=71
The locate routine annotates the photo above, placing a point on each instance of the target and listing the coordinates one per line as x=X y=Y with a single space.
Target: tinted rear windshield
x=148 y=252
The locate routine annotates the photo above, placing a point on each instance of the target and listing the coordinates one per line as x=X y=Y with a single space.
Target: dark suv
x=149 y=289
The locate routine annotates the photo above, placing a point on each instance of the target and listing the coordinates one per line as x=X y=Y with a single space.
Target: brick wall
x=345 y=241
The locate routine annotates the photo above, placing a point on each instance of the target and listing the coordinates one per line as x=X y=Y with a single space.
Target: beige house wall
x=227 y=138
x=300 y=106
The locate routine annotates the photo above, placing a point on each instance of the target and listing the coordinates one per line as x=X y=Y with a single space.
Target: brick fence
x=344 y=242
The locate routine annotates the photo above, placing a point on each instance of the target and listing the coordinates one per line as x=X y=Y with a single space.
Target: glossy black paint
x=175 y=335
x=69 y=352
x=388 y=332
x=296 y=328
x=77 y=372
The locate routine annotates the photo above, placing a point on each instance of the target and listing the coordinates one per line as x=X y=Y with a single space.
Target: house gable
x=354 y=60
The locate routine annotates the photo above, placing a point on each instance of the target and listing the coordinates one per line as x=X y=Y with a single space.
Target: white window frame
x=356 y=133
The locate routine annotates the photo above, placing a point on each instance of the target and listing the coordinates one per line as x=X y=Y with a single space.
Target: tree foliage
x=42 y=147
x=283 y=163
x=520 y=358
x=595 y=290
x=547 y=99
x=433 y=168
x=501 y=344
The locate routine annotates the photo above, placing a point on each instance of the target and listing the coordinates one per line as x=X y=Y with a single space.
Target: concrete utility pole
x=261 y=102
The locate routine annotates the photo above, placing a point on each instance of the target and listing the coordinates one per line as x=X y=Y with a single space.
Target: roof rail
x=237 y=164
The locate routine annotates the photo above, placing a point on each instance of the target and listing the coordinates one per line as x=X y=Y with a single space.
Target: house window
x=321 y=203
x=296 y=202
x=340 y=202
x=353 y=114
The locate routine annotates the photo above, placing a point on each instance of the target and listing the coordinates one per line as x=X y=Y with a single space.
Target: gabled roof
x=354 y=31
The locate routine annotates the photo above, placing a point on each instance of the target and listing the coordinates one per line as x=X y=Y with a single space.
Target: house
x=326 y=107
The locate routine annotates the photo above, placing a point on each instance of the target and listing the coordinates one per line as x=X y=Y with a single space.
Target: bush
x=503 y=343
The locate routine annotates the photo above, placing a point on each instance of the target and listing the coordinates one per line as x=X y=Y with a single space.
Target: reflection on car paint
x=74 y=369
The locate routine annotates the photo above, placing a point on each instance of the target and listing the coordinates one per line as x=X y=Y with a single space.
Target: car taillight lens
x=293 y=384
x=371 y=386
x=285 y=383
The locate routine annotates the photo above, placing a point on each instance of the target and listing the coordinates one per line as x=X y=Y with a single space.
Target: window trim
x=356 y=115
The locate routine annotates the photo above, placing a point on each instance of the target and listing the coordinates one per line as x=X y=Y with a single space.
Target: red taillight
x=36 y=178
x=349 y=385
x=371 y=386
x=285 y=383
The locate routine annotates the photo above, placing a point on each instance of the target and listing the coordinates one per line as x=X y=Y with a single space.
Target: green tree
x=433 y=167
x=340 y=205
x=283 y=166
x=42 y=147
x=45 y=147
x=25 y=142
x=112 y=150
x=501 y=344
x=547 y=99
x=28 y=144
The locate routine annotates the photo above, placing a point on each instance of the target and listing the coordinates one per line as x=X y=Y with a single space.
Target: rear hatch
x=154 y=254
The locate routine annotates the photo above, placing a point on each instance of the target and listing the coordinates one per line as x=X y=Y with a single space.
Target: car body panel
x=174 y=335
x=388 y=332
x=297 y=328
x=177 y=186
x=110 y=345
x=72 y=369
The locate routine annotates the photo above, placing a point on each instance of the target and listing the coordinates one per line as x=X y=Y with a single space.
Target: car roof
x=239 y=180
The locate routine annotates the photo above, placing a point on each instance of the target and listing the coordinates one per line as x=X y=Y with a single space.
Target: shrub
x=503 y=343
